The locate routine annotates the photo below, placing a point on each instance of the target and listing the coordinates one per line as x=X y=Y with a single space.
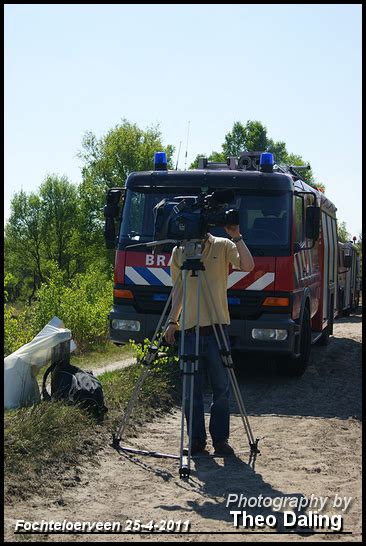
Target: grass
x=102 y=356
x=44 y=444
x=36 y=439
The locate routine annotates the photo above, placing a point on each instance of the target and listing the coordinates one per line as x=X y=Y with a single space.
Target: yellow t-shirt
x=217 y=254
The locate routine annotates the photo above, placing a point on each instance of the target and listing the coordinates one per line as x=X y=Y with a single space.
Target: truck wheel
x=295 y=367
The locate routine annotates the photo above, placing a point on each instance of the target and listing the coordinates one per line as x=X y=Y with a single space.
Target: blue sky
x=76 y=68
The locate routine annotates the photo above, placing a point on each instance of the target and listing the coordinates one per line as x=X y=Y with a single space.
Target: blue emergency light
x=266 y=162
x=160 y=161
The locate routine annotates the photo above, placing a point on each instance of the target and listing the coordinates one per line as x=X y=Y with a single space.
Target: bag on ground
x=75 y=386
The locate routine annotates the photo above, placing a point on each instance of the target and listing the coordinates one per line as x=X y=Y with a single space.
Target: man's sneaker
x=197 y=446
x=223 y=448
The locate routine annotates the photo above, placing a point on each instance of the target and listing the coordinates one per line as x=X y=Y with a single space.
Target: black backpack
x=75 y=386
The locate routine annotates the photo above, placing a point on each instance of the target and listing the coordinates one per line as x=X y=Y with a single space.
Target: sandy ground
x=310 y=430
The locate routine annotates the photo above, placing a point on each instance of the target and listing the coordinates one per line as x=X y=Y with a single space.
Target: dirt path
x=311 y=447
x=115 y=366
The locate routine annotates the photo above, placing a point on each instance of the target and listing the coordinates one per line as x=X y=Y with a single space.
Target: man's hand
x=170 y=333
x=233 y=231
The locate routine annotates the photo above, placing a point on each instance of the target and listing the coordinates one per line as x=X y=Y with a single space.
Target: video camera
x=190 y=217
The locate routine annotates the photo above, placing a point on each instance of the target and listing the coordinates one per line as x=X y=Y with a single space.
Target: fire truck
x=349 y=278
x=286 y=304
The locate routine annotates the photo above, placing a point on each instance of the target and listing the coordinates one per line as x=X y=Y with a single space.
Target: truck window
x=299 y=219
x=265 y=219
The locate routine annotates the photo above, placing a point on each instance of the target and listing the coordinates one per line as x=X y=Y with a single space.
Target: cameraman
x=217 y=253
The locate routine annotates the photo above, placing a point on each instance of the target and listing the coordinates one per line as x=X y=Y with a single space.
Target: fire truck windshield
x=265 y=218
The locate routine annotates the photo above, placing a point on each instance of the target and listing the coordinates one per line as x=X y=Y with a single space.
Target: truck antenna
x=176 y=166
x=185 y=160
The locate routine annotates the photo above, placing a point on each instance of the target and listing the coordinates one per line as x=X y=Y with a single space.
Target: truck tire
x=295 y=367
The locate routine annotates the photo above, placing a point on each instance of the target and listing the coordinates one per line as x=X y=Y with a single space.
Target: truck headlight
x=129 y=325
x=269 y=334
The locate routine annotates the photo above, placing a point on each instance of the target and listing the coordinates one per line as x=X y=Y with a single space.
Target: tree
x=343 y=234
x=24 y=243
x=235 y=141
x=249 y=138
x=60 y=223
x=107 y=163
x=278 y=150
x=124 y=149
x=218 y=157
x=359 y=248
x=252 y=137
x=307 y=175
x=43 y=228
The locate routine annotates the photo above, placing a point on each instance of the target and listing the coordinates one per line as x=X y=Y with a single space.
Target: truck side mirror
x=312 y=222
x=111 y=211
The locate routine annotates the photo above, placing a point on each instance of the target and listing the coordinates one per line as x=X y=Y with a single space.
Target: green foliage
x=124 y=149
x=18 y=327
x=218 y=157
x=83 y=304
x=343 y=234
x=109 y=160
x=39 y=440
x=60 y=221
x=235 y=141
x=252 y=137
x=307 y=175
x=359 y=248
x=279 y=151
x=23 y=242
x=160 y=389
x=42 y=442
x=43 y=228
x=141 y=350
x=64 y=223
x=166 y=365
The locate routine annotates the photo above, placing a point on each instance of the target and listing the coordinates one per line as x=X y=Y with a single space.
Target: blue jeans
x=220 y=385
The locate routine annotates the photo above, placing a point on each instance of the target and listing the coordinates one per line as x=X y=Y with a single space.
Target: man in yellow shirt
x=217 y=253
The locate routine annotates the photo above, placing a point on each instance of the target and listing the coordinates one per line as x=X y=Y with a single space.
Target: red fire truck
x=289 y=300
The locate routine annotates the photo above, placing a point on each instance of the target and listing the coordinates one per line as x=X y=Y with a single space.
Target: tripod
x=192 y=263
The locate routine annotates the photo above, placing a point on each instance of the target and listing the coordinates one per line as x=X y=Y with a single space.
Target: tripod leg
x=153 y=349
x=183 y=463
x=193 y=370
x=190 y=367
x=149 y=359
x=118 y=435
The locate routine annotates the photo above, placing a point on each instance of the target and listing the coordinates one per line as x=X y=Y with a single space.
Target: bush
x=18 y=325
x=45 y=443
x=83 y=304
x=159 y=391
x=39 y=442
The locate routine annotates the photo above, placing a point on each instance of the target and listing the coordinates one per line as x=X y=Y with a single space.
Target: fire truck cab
x=289 y=300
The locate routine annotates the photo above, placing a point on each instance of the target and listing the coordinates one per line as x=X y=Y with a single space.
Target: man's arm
x=246 y=259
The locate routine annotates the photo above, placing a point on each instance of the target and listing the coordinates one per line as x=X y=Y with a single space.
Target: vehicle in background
x=286 y=304
x=349 y=278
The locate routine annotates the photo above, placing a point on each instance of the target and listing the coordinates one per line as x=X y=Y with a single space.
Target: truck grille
x=243 y=304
